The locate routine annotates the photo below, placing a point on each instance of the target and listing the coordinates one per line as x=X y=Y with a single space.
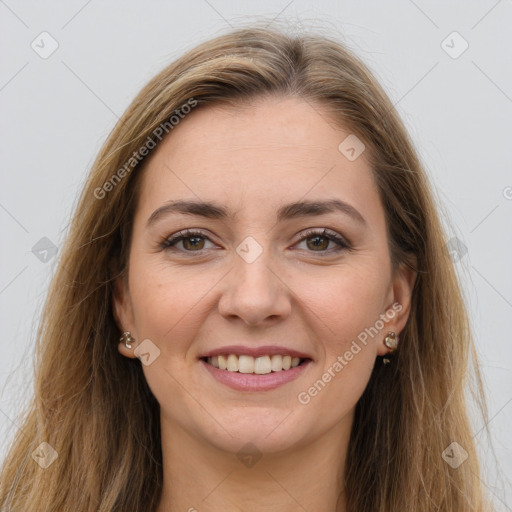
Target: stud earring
x=391 y=341
x=126 y=338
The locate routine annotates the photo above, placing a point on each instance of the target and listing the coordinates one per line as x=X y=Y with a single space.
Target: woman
x=254 y=308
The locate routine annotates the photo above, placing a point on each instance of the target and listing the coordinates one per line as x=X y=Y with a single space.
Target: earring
x=126 y=338
x=391 y=342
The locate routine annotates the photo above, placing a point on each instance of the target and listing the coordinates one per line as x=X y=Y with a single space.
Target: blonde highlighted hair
x=95 y=408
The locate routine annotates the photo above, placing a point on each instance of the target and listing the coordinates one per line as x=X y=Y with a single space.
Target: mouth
x=261 y=365
x=261 y=371
x=263 y=368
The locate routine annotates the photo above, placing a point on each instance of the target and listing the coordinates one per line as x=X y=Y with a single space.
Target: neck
x=199 y=477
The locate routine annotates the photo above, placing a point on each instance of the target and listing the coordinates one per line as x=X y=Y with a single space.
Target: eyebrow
x=290 y=211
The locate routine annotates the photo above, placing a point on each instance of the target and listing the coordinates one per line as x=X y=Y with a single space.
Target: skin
x=253 y=159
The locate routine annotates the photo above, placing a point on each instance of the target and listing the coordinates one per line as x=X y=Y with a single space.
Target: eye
x=192 y=241
x=318 y=240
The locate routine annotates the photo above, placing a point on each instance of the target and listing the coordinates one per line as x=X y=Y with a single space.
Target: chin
x=268 y=431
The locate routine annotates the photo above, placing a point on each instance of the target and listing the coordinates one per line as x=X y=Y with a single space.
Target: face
x=257 y=284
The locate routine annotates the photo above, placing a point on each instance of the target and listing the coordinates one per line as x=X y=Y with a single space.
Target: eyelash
x=342 y=243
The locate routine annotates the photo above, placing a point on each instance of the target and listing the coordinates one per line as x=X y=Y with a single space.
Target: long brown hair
x=94 y=407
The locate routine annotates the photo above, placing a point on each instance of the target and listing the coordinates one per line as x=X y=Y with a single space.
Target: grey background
x=57 y=111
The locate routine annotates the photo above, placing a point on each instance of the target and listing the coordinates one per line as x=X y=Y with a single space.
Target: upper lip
x=267 y=350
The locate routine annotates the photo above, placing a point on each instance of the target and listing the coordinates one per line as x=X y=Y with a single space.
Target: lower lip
x=253 y=382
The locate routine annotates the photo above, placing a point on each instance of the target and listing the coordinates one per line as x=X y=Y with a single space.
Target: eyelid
x=341 y=242
x=169 y=241
x=342 y=245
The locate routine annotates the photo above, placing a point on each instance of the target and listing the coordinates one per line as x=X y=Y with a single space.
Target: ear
x=123 y=313
x=399 y=305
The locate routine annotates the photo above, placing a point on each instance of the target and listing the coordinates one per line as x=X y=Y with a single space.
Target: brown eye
x=318 y=241
x=192 y=241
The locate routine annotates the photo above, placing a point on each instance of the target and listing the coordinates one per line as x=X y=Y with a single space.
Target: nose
x=255 y=292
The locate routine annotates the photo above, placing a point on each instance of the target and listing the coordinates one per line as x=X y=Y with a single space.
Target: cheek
x=351 y=307
x=343 y=381
x=167 y=302
x=346 y=310
x=346 y=301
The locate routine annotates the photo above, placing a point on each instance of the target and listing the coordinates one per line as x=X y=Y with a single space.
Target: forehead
x=255 y=156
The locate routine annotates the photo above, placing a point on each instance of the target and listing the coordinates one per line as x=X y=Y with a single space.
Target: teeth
x=258 y=365
x=262 y=365
x=245 y=364
x=277 y=363
x=232 y=363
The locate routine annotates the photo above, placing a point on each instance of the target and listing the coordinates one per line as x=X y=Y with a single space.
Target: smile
x=256 y=365
x=248 y=373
